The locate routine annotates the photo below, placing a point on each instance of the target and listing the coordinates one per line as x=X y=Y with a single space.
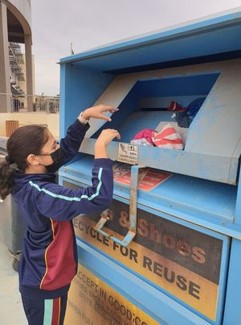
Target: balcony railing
x=19 y=103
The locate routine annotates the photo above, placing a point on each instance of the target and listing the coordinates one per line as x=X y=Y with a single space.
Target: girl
x=49 y=255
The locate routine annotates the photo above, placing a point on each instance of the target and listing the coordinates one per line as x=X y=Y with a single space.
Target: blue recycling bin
x=168 y=249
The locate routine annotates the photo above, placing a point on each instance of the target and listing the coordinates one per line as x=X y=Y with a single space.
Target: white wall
x=52 y=120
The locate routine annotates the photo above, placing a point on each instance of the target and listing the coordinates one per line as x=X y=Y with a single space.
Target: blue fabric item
x=194 y=107
x=48 y=209
x=185 y=118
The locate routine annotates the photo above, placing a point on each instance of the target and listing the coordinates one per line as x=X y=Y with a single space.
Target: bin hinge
x=132 y=212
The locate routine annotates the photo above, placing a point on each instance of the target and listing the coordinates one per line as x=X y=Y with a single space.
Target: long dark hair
x=26 y=140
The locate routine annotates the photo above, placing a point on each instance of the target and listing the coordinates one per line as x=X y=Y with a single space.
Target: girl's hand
x=103 y=140
x=107 y=136
x=98 y=112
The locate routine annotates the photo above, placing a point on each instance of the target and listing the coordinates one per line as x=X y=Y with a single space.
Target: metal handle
x=132 y=213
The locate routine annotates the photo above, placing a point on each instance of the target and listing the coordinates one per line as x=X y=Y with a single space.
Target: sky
x=91 y=23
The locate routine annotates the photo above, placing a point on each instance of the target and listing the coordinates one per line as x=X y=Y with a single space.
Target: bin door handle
x=132 y=213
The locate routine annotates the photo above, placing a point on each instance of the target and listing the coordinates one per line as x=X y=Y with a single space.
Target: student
x=49 y=255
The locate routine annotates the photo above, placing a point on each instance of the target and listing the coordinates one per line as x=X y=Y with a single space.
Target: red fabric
x=56 y=312
x=59 y=257
x=174 y=106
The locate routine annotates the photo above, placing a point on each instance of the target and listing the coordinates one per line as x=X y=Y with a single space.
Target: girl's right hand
x=103 y=140
x=106 y=136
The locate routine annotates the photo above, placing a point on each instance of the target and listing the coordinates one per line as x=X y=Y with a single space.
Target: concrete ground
x=11 y=310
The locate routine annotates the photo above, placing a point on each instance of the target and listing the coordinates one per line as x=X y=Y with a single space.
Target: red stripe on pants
x=56 y=311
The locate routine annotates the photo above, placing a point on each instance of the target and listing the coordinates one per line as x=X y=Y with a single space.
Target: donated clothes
x=175 y=107
x=167 y=138
x=185 y=118
x=144 y=137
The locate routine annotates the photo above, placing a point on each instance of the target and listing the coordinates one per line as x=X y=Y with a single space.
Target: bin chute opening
x=148 y=103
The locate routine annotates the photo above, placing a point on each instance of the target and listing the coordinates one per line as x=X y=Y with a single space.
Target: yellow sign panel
x=198 y=290
x=92 y=302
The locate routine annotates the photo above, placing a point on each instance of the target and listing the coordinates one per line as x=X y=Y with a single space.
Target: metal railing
x=25 y=103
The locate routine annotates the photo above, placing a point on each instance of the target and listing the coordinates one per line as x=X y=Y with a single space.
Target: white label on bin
x=128 y=153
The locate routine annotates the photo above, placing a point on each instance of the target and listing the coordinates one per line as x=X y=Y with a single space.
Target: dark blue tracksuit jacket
x=49 y=255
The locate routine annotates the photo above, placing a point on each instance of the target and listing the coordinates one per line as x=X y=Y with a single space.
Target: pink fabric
x=146 y=134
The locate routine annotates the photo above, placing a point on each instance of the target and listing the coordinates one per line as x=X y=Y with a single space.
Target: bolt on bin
x=167 y=251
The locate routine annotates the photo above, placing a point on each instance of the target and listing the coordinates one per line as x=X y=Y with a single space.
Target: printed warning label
x=128 y=153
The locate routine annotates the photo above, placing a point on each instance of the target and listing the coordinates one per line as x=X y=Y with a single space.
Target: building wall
x=24 y=7
x=15 y=27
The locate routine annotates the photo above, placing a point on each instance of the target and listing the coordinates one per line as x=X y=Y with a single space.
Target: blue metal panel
x=178 y=193
x=232 y=314
x=177 y=86
x=216 y=168
x=79 y=89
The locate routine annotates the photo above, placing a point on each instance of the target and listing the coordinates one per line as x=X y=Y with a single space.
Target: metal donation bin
x=168 y=249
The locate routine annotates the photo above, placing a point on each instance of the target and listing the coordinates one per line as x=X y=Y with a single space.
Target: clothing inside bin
x=185 y=117
x=166 y=134
x=167 y=138
x=144 y=137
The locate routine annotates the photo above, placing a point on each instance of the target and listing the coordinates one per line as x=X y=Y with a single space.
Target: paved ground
x=11 y=312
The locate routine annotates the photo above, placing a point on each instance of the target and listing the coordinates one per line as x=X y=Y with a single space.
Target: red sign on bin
x=148 y=178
